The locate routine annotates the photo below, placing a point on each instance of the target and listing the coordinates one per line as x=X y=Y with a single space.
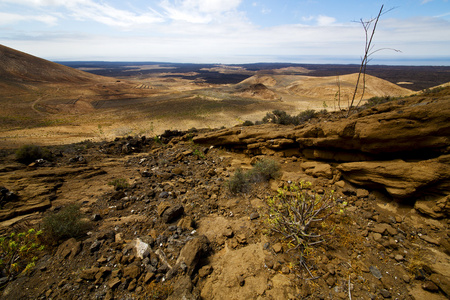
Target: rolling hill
x=21 y=67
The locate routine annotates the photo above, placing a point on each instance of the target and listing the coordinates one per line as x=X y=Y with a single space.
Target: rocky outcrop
x=399 y=178
x=401 y=146
x=35 y=190
x=415 y=127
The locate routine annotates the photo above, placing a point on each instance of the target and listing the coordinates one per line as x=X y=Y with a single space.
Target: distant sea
x=398 y=60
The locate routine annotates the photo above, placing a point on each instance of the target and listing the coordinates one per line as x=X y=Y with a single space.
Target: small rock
x=131 y=271
x=95 y=246
x=277 y=248
x=340 y=184
x=48 y=293
x=430 y=286
x=69 y=248
x=442 y=282
x=142 y=249
x=331 y=281
x=241 y=238
x=177 y=171
x=376 y=236
x=89 y=274
x=103 y=272
x=172 y=213
x=192 y=252
x=399 y=257
x=186 y=223
x=375 y=272
x=96 y=217
x=429 y=239
x=163 y=195
x=149 y=277
x=380 y=228
x=362 y=193
x=254 y=216
x=269 y=262
x=385 y=293
x=228 y=232
x=241 y=280
x=285 y=270
x=205 y=271
x=114 y=283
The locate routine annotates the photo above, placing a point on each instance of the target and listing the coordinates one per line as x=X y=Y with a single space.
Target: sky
x=228 y=31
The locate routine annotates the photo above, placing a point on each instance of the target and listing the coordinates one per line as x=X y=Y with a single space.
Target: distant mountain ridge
x=17 y=66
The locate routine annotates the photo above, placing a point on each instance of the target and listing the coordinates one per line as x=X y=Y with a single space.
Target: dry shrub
x=66 y=223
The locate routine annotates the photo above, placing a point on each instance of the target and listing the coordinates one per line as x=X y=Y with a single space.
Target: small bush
x=29 y=153
x=281 y=117
x=248 y=123
x=278 y=117
x=18 y=252
x=378 y=100
x=66 y=223
x=296 y=213
x=433 y=91
x=263 y=170
x=238 y=182
x=305 y=116
x=119 y=184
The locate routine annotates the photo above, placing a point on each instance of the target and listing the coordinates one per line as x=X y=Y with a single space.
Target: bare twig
x=349 y=290
x=369 y=33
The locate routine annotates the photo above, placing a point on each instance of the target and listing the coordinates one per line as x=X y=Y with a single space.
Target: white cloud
x=106 y=14
x=426 y=1
x=8 y=18
x=325 y=20
x=97 y=11
x=198 y=11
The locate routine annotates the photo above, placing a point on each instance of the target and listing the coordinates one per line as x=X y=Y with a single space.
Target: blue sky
x=227 y=31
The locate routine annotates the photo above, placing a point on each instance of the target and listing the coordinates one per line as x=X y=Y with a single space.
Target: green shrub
x=278 y=117
x=29 y=153
x=248 y=123
x=119 y=184
x=433 y=91
x=238 y=183
x=66 y=223
x=296 y=213
x=263 y=170
x=378 y=100
x=281 y=117
x=305 y=116
x=18 y=252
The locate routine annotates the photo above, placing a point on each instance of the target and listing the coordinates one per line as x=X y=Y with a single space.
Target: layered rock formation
x=400 y=147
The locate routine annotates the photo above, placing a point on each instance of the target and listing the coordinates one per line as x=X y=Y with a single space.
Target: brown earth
x=47 y=103
x=391 y=239
x=175 y=230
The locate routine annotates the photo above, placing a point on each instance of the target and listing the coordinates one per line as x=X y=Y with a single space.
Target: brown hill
x=16 y=66
x=325 y=88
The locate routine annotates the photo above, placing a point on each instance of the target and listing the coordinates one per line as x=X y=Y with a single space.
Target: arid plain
x=47 y=103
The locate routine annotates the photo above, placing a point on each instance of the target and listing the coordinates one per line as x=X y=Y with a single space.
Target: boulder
x=317 y=169
x=142 y=249
x=436 y=208
x=172 y=213
x=399 y=178
x=69 y=249
x=190 y=255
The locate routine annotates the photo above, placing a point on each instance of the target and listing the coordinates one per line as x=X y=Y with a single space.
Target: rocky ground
x=175 y=231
